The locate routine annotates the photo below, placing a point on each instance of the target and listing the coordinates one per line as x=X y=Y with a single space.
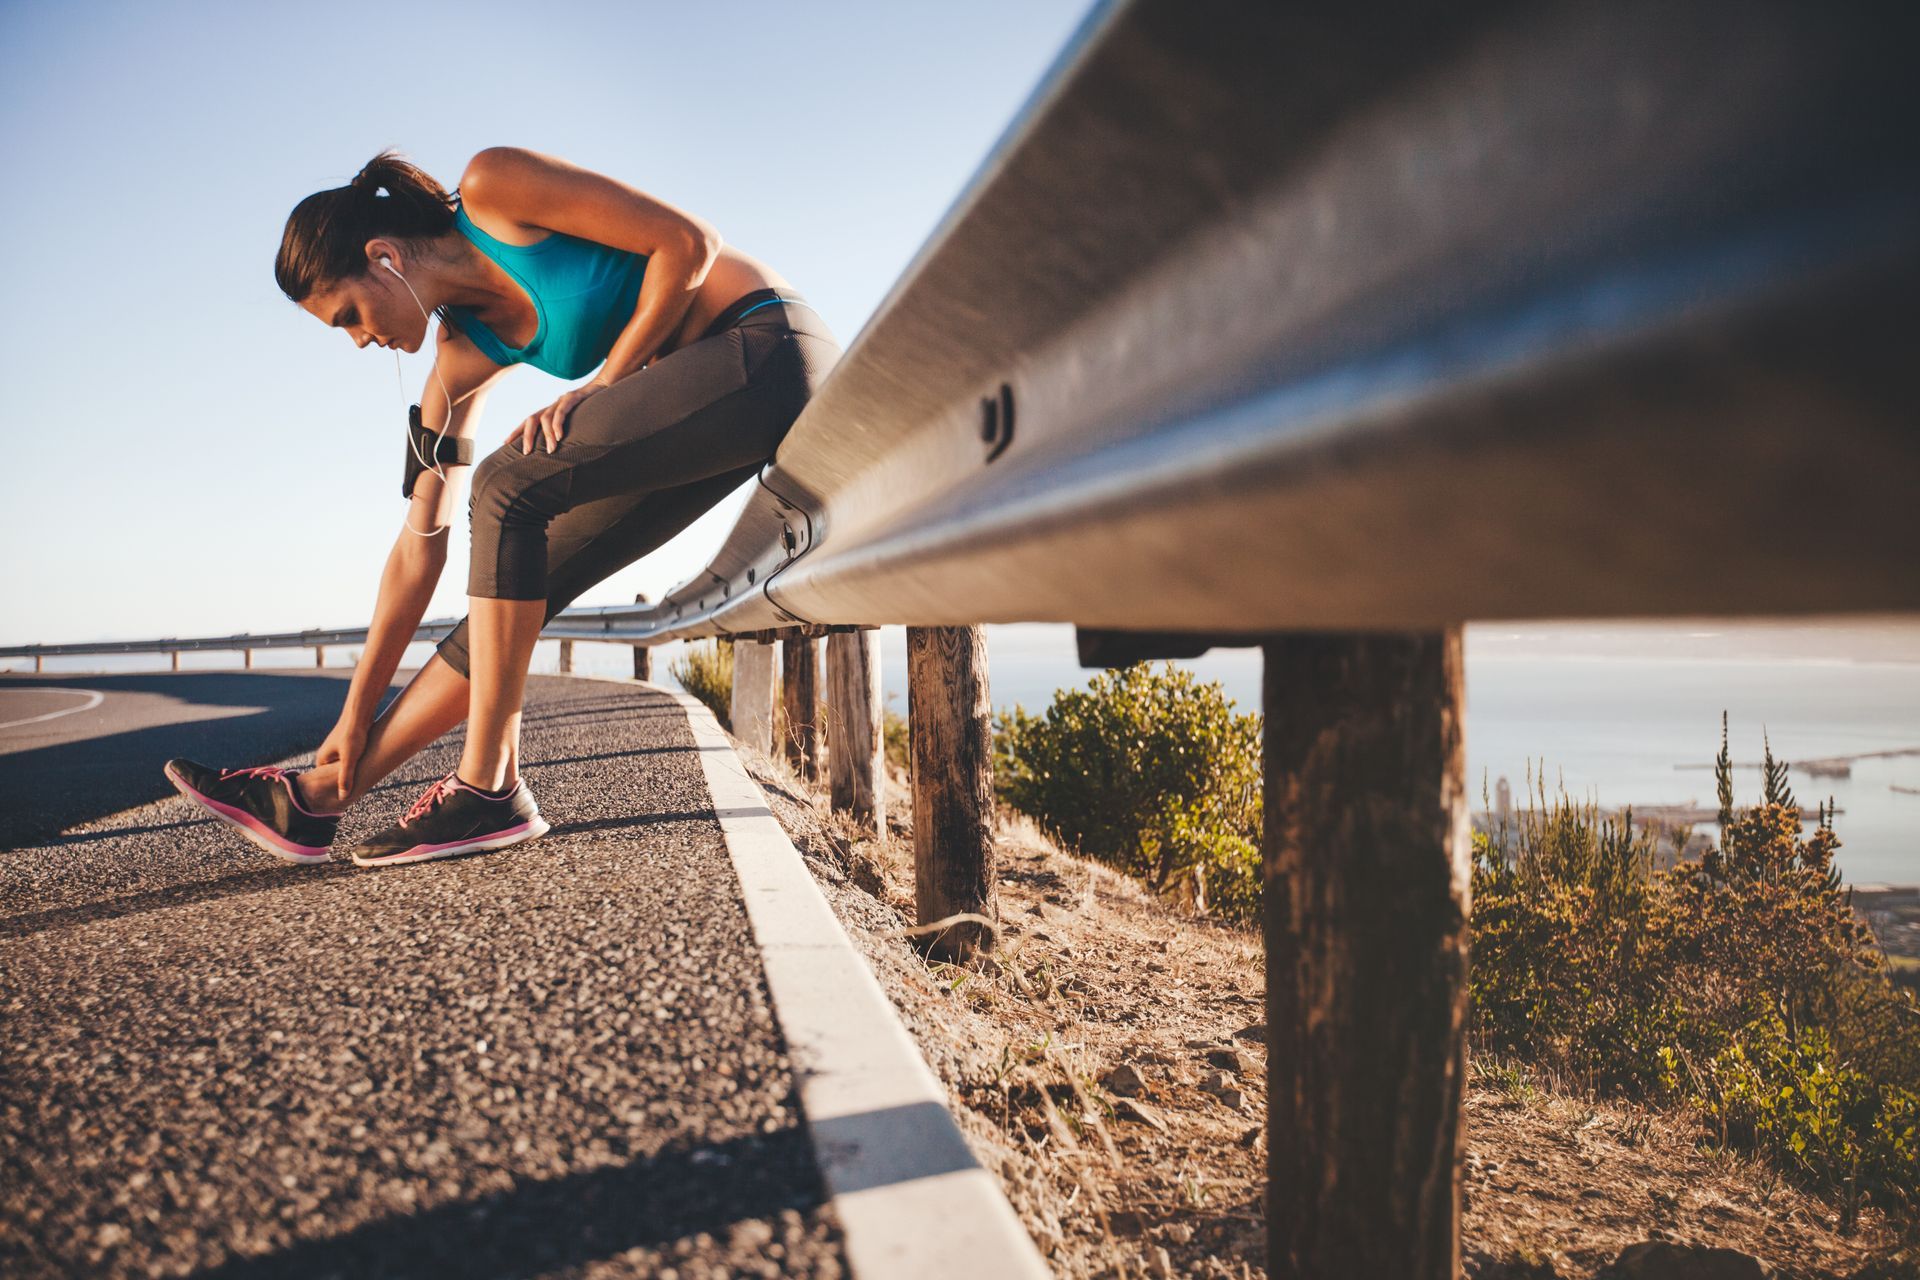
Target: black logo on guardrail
x=996 y=421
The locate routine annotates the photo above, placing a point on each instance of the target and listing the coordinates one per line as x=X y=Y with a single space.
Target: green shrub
x=1685 y=982
x=705 y=670
x=1221 y=863
x=1149 y=771
x=1566 y=967
x=1787 y=1093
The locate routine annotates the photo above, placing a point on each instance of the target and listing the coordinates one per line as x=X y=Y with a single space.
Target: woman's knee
x=514 y=488
x=496 y=488
x=515 y=497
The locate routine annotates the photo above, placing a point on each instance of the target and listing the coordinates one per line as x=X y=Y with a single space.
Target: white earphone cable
x=430 y=462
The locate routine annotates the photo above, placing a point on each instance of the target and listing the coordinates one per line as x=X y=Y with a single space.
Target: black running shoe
x=454 y=818
x=261 y=804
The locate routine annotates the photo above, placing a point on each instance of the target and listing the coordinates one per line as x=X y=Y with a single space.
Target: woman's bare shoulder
x=541 y=192
x=486 y=213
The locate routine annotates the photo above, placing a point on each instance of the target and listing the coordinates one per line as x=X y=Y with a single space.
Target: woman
x=705 y=357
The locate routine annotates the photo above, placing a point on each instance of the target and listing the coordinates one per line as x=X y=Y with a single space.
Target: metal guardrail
x=1397 y=317
x=434 y=630
x=586 y=623
x=610 y=623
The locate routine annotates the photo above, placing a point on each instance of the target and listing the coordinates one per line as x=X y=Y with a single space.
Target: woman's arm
x=540 y=191
x=406 y=586
x=413 y=567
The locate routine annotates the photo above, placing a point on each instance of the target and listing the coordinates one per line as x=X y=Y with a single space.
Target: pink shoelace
x=432 y=797
x=257 y=771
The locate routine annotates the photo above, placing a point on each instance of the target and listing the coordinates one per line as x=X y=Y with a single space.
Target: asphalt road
x=67 y=757
x=554 y=1060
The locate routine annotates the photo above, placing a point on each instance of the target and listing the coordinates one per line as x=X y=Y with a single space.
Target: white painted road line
x=910 y=1197
x=97 y=699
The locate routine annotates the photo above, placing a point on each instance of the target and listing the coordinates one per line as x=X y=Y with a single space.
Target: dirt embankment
x=1109 y=1064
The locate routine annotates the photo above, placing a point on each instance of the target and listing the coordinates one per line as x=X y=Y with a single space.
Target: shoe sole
x=531 y=830
x=249 y=826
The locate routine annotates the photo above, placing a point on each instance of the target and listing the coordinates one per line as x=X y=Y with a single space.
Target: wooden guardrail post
x=1367 y=860
x=319 y=655
x=855 y=741
x=751 y=707
x=566 y=657
x=642 y=656
x=949 y=721
x=246 y=657
x=39 y=663
x=800 y=695
x=175 y=655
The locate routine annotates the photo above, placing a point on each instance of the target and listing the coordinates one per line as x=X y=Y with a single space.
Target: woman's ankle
x=318 y=794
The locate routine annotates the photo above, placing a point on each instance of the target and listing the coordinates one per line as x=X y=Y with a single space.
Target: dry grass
x=1093 y=972
x=1090 y=972
x=1556 y=1175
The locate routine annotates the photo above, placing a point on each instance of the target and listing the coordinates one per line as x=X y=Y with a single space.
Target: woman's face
x=372 y=308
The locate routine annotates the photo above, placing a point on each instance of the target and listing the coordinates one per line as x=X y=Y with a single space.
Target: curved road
x=77 y=747
x=554 y=1060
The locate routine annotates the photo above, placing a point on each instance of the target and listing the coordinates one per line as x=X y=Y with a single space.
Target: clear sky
x=188 y=452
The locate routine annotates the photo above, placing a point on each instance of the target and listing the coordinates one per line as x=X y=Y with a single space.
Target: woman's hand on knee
x=550 y=423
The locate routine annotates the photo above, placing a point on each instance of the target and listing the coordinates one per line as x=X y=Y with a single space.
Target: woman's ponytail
x=326 y=234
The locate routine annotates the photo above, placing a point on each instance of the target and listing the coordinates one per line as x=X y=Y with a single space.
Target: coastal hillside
x=1108 y=1063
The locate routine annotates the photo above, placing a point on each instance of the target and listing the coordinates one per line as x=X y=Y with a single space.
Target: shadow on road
x=46 y=789
x=111 y=759
x=539 y=1227
x=258 y=880
x=631 y=820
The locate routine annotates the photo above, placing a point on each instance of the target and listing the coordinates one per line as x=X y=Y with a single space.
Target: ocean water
x=1615 y=730
x=1612 y=728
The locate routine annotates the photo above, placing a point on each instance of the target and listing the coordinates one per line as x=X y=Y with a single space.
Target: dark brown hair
x=327 y=233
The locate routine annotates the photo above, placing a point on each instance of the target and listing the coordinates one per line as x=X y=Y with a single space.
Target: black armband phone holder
x=423 y=443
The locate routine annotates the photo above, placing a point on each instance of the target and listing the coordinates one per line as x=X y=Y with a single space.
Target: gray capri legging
x=643 y=459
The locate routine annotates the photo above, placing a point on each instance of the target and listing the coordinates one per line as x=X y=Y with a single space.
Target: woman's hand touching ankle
x=317 y=789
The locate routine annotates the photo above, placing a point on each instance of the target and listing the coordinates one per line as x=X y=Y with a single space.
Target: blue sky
x=191 y=453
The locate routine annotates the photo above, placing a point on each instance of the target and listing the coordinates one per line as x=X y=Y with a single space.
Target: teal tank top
x=584 y=293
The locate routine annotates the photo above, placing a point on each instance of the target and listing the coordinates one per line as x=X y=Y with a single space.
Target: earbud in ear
x=387 y=262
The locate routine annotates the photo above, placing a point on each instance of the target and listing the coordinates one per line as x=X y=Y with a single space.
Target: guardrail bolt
x=996 y=421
